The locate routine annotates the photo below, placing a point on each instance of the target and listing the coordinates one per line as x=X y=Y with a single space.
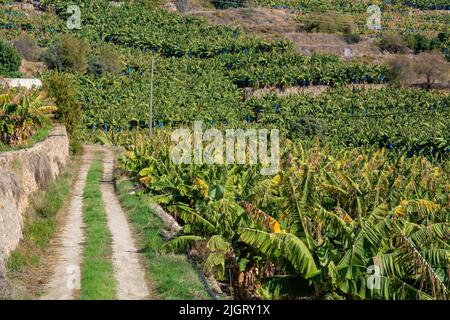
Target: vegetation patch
x=9 y=60
x=363 y=173
x=38 y=136
x=172 y=275
x=315 y=228
x=329 y=23
x=22 y=113
x=28 y=266
x=97 y=274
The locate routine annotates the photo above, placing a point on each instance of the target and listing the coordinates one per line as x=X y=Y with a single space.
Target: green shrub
x=61 y=88
x=112 y=59
x=96 y=67
x=329 y=23
x=69 y=54
x=51 y=59
x=75 y=146
x=351 y=38
x=420 y=43
x=106 y=60
x=150 y=4
x=227 y=4
x=401 y=72
x=308 y=127
x=9 y=60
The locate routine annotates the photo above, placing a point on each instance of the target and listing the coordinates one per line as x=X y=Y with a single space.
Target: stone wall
x=22 y=173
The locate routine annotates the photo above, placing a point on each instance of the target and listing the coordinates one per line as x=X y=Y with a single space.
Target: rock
x=348 y=53
x=27 y=6
x=170 y=6
x=170 y=224
x=214 y=285
x=116 y=3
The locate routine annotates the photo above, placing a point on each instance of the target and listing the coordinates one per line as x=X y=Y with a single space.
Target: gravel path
x=130 y=275
x=65 y=281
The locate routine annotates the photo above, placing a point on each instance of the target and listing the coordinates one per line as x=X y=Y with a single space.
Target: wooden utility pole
x=150 y=111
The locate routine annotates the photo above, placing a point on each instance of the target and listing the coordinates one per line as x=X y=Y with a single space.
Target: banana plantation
x=314 y=229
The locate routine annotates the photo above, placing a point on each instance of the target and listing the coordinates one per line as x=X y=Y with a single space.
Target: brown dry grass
x=307 y=43
x=31 y=69
x=315 y=90
x=256 y=20
x=276 y=23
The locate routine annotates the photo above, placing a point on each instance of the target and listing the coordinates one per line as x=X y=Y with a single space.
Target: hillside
x=355 y=96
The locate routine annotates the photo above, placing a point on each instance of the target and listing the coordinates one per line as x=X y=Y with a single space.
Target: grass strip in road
x=27 y=265
x=97 y=273
x=172 y=275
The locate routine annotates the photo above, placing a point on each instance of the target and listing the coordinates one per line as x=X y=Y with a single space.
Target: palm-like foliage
x=22 y=112
x=349 y=225
x=315 y=229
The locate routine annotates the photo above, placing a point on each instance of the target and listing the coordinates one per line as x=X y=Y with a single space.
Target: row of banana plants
x=353 y=5
x=116 y=100
x=170 y=34
x=428 y=4
x=400 y=15
x=332 y=224
x=22 y=113
x=320 y=5
x=404 y=120
x=260 y=70
x=409 y=121
x=44 y=27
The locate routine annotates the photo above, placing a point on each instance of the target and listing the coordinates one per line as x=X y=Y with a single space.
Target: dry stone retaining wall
x=22 y=173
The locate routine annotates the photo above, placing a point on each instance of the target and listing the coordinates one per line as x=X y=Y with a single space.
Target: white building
x=27 y=83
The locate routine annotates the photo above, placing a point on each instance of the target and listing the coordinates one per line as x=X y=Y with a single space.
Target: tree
x=107 y=59
x=62 y=90
x=432 y=67
x=69 y=54
x=401 y=71
x=9 y=60
x=428 y=66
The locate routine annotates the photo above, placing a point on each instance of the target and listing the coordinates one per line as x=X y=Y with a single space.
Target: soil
x=65 y=281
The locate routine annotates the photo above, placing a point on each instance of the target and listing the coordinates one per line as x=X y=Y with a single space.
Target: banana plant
x=22 y=112
x=314 y=229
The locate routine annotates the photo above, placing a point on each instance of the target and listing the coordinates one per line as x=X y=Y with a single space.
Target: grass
x=172 y=276
x=39 y=135
x=97 y=274
x=26 y=264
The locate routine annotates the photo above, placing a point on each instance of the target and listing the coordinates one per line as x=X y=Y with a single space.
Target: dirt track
x=130 y=275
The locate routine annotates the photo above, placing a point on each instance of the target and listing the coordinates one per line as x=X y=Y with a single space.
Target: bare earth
x=65 y=282
x=130 y=275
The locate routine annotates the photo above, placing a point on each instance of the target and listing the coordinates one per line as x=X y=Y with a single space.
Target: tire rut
x=131 y=279
x=130 y=276
x=65 y=281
